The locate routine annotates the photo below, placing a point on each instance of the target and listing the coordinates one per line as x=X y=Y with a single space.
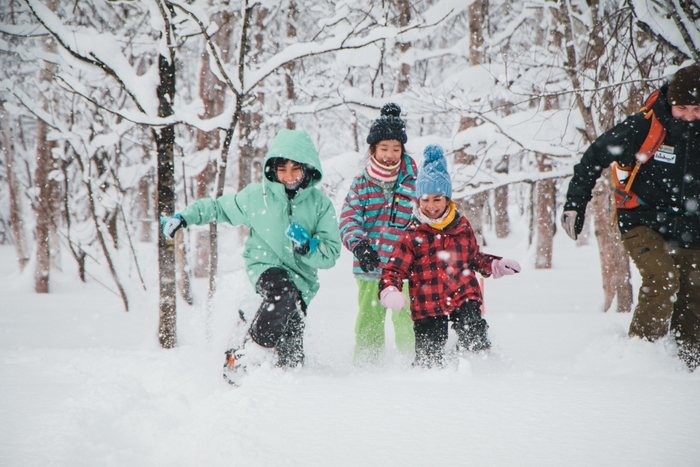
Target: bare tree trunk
x=249 y=127
x=112 y=228
x=143 y=201
x=183 y=268
x=203 y=181
x=291 y=66
x=472 y=207
x=213 y=95
x=404 y=18
x=250 y=121
x=473 y=210
x=571 y=69
x=165 y=142
x=477 y=19
x=532 y=213
x=44 y=185
x=544 y=216
x=42 y=207
x=500 y=211
x=500 y=203
x=16 y=218
x=614 y=261
x=613 y=258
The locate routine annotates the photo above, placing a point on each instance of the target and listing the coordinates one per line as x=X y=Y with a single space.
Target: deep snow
x=82 y=383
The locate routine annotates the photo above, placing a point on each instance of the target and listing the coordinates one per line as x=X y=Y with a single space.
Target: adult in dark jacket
x=662 y=233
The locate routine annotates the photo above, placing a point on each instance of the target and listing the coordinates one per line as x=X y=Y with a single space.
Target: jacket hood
x=295 y=145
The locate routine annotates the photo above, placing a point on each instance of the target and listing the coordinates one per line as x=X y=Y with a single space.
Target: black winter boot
x=290 y=347
x=689 y=353
x=471 y=328
x=431 y=337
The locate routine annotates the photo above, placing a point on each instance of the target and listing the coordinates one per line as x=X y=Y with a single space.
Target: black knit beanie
x=685 y=87
x=388 y=126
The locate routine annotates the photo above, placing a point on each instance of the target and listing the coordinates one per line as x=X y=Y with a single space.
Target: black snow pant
x=279 y=322
x=431 y=334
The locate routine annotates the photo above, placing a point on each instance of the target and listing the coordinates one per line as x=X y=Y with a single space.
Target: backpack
x=623 y=176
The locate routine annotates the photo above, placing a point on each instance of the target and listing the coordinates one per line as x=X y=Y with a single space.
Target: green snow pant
x=670 y=294
x=369 y=327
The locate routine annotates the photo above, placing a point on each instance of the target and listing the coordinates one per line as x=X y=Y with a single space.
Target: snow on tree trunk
x=165 y=142
x=478 y=11
x=473 y=210
x=473 y=206
x=544 y=216
x=143 y=201
x=15 y=199
x=249 y=147
x=42 y=208
x=500 y=203
x=292 y=16
x=500 y=212
x=614 y=261
x=183 y=269
x=404 y=18
x=213 y=94
x=203 y=182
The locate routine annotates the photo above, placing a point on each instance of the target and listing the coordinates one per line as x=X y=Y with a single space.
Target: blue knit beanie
x=433 y=178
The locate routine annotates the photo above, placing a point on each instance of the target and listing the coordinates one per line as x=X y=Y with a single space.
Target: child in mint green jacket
x=293 y=233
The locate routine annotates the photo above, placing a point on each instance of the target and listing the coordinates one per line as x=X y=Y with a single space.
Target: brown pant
x=670 y=293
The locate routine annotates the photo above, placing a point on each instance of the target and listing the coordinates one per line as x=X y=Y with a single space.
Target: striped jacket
x=440 y=266
x=367 y=214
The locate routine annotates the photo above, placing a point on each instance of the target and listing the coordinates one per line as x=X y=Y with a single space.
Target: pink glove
x=392 y=298
x=504 y=267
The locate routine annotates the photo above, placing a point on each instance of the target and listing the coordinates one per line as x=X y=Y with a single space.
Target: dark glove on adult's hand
x=366 y=256
x=572 y=221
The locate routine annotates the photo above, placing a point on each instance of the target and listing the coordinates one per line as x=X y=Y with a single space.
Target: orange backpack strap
x=656 y=133
x=624 y=197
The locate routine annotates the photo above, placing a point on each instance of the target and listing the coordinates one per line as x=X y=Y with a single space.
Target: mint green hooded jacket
x=267 y=210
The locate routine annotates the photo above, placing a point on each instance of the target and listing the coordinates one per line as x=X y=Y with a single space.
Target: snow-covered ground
x=83 y=383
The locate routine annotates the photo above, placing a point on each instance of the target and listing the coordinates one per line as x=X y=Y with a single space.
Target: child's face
x=290 y=174
x=433 y=206
x=388 y=152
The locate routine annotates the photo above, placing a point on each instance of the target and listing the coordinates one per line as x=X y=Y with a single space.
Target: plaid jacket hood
x=440 y=266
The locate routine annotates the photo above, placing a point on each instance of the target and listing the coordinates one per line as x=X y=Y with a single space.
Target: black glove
x=572 y=221
x=367 y=257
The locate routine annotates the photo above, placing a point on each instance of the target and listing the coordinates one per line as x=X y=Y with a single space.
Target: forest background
x=115 y=113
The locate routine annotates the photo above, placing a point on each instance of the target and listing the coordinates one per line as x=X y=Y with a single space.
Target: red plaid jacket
x=440 y=266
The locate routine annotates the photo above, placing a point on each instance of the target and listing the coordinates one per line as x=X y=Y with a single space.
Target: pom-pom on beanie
x=388 y=126
x=685 y=87
x=433 y=178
